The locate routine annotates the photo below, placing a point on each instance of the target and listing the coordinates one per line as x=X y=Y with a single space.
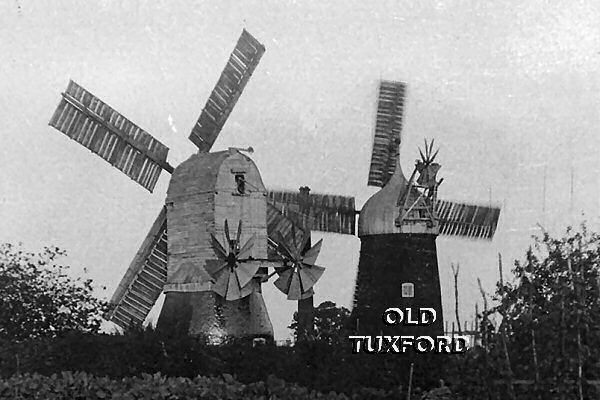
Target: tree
x=549 y=311
x=38 y=298
x=330 y=322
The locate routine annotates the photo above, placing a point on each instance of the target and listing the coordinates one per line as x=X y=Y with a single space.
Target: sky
x=509 y=90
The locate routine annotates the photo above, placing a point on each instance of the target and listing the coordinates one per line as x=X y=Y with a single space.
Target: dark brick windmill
x=397 y=226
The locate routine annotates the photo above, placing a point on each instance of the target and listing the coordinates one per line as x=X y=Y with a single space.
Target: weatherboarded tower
x=204 y=192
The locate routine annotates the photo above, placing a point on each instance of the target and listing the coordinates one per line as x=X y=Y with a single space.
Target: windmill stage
x=222 y=234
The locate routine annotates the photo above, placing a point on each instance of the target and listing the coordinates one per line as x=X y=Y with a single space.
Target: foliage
x=549 y=329
x=84 y=386
x=330 y=323
x=313 y=364
x=555 y=297
x=38 y=298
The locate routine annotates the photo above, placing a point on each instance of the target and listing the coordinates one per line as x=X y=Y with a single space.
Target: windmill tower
x=397 y=226
x=211 y=275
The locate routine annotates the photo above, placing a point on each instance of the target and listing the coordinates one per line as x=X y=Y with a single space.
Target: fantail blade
x=239 y=232
x=218 y=247
x=227 y=233
x=310 y=257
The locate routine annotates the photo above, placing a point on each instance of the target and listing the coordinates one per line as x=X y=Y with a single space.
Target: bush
x=315 y=365
x=330 y=323
x=80 y=385
x=38 y=298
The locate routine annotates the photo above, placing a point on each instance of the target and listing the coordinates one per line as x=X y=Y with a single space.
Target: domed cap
x=379 y=214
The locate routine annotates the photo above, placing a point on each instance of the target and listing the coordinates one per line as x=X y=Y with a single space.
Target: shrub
x=80 y=385
x=38 y=298
x=315 y=365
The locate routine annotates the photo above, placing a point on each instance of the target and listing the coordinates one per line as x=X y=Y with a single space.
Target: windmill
x=211 y=277
x=397 y=226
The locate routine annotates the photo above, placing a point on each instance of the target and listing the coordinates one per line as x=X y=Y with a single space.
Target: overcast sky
x=509 y=91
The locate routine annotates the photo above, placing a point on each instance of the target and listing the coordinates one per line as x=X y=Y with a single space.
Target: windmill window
x=408 y=290
x=240 y=182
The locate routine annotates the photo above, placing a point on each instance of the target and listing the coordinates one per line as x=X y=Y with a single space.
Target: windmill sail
x=468 y=220
x=388 y=128
x=144 y=280
x=235 y=76
x=94 y=124
x=320 y=212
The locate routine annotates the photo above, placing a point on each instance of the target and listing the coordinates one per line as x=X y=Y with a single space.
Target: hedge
x=81 y=385
x=314 y=365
